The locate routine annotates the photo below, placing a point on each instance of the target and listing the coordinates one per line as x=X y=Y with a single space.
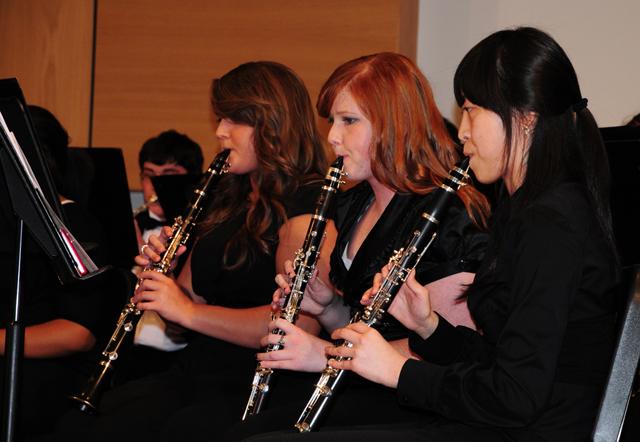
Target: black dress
x=209 y=371
x=544 y=298
x=459 y=247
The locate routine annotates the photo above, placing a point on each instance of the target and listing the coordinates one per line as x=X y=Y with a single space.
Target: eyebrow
x=171 y=168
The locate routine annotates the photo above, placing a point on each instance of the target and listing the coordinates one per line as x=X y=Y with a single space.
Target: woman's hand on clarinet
x=161 y=294
x=317 y=296
x=411 y=306
x=299 y=350
x=154 y=248
x=372 y=357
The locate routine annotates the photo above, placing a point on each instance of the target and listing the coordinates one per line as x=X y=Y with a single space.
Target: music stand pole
x=14 y=346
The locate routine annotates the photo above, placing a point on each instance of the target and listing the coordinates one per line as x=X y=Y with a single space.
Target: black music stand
x=105 y=194
x=32 y=202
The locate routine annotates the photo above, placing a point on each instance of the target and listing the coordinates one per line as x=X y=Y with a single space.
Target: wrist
x=334 y=315
x=429 y=326
x=396 y=369
x=189 y=317
x=319 y=348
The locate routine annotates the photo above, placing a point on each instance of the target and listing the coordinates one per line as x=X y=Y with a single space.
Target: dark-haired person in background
x=62 y=322
x=169 y=153
x=543 y=298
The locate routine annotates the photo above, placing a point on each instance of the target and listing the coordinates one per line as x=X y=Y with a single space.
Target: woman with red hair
x=385 y=125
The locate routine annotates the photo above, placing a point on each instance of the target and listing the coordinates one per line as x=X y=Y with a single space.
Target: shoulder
x=559 y=222
x=563 y=210
x=456 y=220
x=302 y=200
x=459 y=245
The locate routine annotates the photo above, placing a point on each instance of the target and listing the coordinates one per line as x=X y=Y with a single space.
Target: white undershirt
x=345 y=259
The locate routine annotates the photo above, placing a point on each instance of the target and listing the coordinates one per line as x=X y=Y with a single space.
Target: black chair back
x=615 y=401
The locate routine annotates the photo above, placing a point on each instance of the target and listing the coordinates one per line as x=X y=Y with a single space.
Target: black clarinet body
x=88 y=399
x=304 y=265
x=401 y=264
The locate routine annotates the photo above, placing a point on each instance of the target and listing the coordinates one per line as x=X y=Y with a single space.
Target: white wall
x=602 y=39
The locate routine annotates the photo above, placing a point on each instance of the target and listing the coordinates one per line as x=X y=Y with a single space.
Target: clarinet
x=401 y=264
x=304 y=263
x=87 y=400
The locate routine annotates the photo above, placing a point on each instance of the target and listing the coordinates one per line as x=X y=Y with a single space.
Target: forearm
x=56 y=338
x=335 y=315
x=244 y=327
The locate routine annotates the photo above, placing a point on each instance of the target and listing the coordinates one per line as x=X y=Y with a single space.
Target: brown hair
x=411 y=150
x=273 y=100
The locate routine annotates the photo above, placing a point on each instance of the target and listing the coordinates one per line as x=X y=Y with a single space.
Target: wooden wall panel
x=155 y=59
x=47 y=45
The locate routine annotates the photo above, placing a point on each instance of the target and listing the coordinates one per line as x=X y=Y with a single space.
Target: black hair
x=172 y=147
x=514 y=72
x=54 y=140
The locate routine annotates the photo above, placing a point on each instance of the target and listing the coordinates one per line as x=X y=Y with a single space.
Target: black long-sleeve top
x=458 y=247
x=544 y=301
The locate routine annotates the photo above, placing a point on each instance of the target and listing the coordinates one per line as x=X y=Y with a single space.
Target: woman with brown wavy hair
x=258 y=217
x=385 y=125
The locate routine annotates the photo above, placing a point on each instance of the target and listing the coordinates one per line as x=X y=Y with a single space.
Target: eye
x=330 y=120
x=349 y=120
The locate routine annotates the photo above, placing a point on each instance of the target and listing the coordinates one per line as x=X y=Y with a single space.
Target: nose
x=335 y=136
x=222 y=131
x=464 y=129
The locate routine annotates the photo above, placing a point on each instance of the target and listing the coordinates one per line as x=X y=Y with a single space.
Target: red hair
x=411 y=150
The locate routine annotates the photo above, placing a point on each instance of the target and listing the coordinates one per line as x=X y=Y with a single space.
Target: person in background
x=169 y=153
x=62 y=323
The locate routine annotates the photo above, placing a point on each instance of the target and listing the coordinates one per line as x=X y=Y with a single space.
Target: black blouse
x=458 y=247
x=252 y=284
x=544 y=299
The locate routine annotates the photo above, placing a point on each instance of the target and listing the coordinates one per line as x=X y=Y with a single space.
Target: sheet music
x=20 y=153
x=81 y=261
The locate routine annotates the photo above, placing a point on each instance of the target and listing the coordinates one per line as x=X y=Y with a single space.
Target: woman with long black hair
x=543 y=298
